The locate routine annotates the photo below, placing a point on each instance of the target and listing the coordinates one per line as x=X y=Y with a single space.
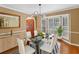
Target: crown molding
x=2 y=6
x=69 y=8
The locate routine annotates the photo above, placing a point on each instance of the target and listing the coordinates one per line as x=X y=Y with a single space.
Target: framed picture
x=9 y=20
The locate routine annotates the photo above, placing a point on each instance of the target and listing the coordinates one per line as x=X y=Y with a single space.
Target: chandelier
x=38 y=13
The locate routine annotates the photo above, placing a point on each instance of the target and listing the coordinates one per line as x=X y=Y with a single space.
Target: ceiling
x=45 y=8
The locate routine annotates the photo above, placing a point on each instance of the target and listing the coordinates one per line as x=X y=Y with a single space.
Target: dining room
x=39 y=29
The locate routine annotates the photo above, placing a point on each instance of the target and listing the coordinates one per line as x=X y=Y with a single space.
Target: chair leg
x=58 y=47
x=40 y=51
x=53 y=51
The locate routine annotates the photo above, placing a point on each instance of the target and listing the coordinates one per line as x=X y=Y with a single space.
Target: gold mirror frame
x=9 y=20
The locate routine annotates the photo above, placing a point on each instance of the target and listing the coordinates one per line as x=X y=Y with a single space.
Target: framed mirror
x=9 y=20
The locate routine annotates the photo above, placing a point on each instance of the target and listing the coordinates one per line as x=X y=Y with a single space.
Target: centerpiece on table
x=42 y=34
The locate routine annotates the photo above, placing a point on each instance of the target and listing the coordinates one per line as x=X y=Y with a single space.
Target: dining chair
x=49 y=46
x=35 y=33
x=24 y=49
x=28 y=35
x=56 y=44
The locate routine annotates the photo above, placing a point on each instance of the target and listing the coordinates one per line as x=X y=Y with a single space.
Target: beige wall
x=74 y=14
x=10 y=41
x=75 y=38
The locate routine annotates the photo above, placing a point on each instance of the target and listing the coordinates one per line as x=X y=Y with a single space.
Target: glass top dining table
x=38 y=42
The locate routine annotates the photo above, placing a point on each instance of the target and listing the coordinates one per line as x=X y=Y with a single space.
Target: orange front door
x=30 y=26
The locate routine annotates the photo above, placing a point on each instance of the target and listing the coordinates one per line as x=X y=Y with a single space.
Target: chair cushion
x=29 y=50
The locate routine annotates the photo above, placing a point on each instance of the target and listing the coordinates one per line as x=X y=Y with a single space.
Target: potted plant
x=59 y=32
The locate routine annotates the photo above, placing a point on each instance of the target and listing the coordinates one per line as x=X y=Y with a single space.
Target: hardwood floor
x=64 y=49
x=11 y=51
x=68 y=49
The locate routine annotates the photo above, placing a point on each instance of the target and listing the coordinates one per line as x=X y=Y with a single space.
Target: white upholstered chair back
x=21 y=46
x=28 y=34
x=35 y=33
x=54 y=41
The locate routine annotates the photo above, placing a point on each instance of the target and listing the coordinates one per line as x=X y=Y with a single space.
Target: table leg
x=37 y=48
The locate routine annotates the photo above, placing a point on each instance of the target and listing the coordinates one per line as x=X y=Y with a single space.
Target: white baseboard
x=71 y=43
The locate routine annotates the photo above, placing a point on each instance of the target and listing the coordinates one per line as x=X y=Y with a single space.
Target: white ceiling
x=45 y=8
